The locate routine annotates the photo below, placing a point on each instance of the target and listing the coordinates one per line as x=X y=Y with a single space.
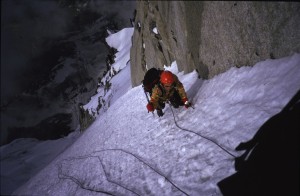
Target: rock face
x=212 y=37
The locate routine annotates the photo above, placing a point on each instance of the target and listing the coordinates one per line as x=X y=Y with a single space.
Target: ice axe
x=191 y=105
x=147 y=99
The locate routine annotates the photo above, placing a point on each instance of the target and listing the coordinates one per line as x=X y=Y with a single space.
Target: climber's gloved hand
x=150 y=107
x=186 y=103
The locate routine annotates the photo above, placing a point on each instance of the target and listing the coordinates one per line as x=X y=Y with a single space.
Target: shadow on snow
x=270 y=163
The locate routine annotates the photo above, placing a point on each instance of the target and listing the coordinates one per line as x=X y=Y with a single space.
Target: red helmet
x=166 y=77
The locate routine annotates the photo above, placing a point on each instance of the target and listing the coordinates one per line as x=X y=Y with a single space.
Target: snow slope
x=120 y=84
x=128 y=151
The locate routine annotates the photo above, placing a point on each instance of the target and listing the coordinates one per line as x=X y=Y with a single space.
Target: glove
x=150 y=107
x=186 y=103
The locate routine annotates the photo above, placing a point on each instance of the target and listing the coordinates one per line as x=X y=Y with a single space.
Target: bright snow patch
x=128 y=151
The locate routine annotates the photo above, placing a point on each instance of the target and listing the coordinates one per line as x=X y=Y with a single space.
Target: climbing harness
x=200 y=135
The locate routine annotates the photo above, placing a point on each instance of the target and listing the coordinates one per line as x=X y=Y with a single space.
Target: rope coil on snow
x=200 y=135
x=144 y=162
x=83 y=186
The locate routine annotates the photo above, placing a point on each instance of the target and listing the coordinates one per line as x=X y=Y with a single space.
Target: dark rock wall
x=212 y=36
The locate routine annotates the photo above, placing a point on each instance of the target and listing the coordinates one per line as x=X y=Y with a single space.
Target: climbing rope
x=201 y=135
x=85 y=185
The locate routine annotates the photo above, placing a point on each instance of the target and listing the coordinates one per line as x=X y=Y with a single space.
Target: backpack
x=151 y=78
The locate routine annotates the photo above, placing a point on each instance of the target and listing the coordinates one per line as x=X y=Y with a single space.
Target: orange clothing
x=159 y=93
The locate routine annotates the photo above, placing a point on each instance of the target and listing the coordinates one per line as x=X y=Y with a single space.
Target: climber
x=169 y=90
